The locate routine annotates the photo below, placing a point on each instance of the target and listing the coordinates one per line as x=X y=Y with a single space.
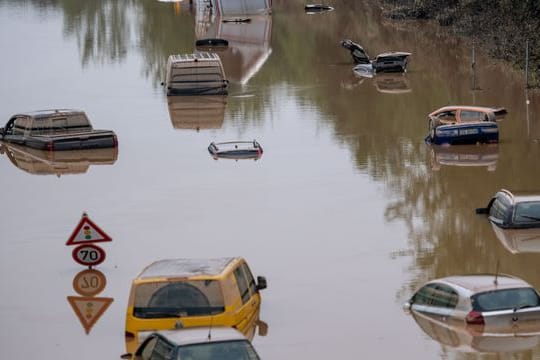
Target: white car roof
x=185 y=267
x=486 y=282
x=199 y=335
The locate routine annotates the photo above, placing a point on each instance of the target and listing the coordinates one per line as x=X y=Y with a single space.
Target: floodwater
x=346 y=213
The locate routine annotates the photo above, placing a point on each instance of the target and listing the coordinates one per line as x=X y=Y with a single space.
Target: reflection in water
x=464 y=155
x=197 y=112
x=392 y=83
x=518 y=240
x=249 y=44
x=457 y=336
x=42 y=162
x=89 y=308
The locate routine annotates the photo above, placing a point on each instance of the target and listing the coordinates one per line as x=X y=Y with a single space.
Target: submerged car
x=181 y=293
x=199 y=73
x=236 y=150
x=54 y=130
x=317 y=8
x=201 y=343
x=483 y=303
x=392 y=61
x=513 y=211
x=459 y=124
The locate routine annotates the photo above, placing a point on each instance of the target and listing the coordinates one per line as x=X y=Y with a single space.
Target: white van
x=195 y=74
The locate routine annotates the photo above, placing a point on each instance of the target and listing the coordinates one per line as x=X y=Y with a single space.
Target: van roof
x=185 y=268
x=188 y=58
x=43 y=114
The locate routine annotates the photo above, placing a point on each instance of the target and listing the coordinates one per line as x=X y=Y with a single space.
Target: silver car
x=497 y=303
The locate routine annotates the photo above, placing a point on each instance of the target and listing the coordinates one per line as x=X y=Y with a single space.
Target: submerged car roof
x=174 y=268
x=198 y=335
x=49 y=112
x=521 y=196
x=484 y=282
x=470 y=108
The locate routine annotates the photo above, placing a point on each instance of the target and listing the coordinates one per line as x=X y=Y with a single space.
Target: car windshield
x=506 y=299
x=226 y=350
x=178 y=299
x=527 y=212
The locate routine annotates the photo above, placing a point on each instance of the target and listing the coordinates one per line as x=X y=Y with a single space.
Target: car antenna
x=496 y=273
x=210 y=329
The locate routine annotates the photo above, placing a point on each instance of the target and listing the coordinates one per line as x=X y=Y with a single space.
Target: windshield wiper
x=524 y=306
x=159 y=313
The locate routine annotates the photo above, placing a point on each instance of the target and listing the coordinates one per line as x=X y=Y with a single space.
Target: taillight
x=474 y=318
x=115 y=141
x=129 y=335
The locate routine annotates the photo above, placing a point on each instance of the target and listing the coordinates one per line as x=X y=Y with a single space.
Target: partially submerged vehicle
x=58 y=129
x=460 y=124
x=392 y=61
x=317 y=8
x=43 y=162
x=195 y=74
x=212 y=342
x=509 y=210
x=236 y=150
x=181 y=293
x=483 y=304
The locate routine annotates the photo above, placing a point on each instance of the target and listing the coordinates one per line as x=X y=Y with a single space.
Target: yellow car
x=181 y=293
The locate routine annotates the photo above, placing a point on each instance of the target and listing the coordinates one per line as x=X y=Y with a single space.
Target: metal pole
x=527 y=64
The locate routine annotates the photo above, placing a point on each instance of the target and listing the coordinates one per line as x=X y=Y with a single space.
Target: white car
x=488 y=303
x=201 y=343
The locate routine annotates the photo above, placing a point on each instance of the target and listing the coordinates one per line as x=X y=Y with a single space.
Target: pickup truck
x=57 y=129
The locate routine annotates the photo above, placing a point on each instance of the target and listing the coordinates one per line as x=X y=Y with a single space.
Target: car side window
x=242 y=283
x=146 y=351
x=472 y=116
x=527 y=212
x=436 y=295
x=249 y=277
x=424 y=296
x=162 y=351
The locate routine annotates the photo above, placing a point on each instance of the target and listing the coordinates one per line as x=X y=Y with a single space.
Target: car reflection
x=518 y=241
x=465 y=155
x=248 y=40
x=197 y=112
x=68 y=162
x=469 y=340
x=392 y=83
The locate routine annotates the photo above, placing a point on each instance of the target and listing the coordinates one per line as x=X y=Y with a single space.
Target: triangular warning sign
x=87 y=232
x=89 y=309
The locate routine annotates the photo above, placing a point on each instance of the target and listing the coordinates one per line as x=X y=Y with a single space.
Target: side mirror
x=261 y=282
x=126 y=356
x=263 y=328
x=482 y=210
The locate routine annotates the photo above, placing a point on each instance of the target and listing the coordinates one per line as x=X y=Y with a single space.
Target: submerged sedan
x=454 y=125
x=483 y=304
x=509 y=210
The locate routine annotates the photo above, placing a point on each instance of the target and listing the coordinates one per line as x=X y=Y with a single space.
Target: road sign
x=89 y=282
x=88 y=254
x=89 y=309
x=87 y=232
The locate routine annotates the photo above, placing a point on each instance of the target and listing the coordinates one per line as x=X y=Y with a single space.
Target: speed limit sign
x=88 y=254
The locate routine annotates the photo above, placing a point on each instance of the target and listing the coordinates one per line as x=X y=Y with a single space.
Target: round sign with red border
x=88 y=255
x=89 y=282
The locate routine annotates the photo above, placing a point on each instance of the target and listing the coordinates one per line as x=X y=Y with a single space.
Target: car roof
x=520 y=196
x=47 y=113
x=174 y=268
x=466 y=107
x=484 y=282
x=198 y=335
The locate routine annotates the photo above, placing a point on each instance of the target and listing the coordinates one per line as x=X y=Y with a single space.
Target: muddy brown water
x=346 y=213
